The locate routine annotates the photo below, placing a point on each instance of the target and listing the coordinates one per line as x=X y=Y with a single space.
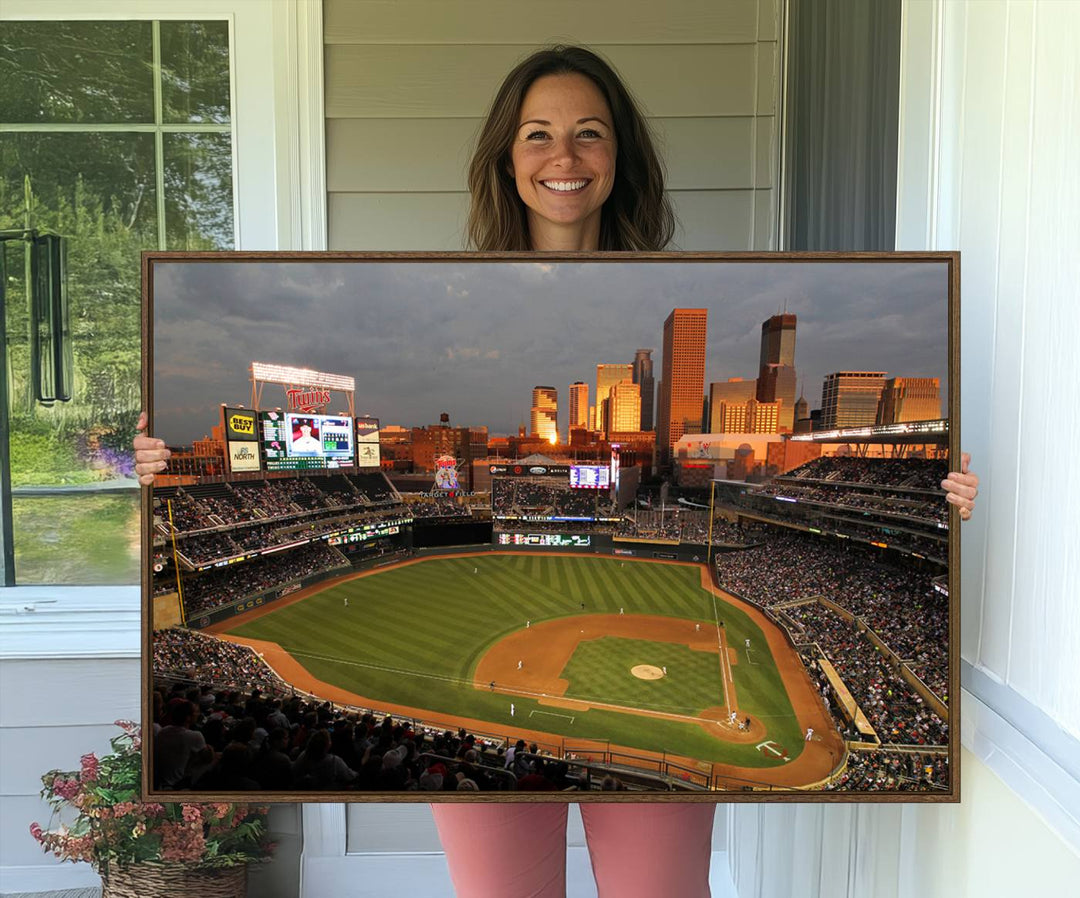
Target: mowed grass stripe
x=600 y=671
x=412 y=635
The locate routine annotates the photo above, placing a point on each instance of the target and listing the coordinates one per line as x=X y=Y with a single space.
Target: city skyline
x=423 y=338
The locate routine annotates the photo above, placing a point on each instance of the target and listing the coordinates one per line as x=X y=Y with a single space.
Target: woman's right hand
x=150 y=454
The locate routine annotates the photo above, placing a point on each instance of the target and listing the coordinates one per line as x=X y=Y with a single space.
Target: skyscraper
x=802 y=409
x=606 y=377
x=776 y=367
x=624 y=408
x=905 y=399
x=579 y=404
x=643 y=377
x=850 y=398
x=733 y=391
x=545 y=413
x=683 y=386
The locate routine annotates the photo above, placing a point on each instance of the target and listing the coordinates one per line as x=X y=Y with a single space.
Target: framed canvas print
x=619 y=527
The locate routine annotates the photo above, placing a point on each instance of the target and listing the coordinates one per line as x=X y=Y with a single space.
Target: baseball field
x=643 y=655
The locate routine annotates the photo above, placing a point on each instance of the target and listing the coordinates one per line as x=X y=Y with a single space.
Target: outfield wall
x=524 y=540
x=259 y=599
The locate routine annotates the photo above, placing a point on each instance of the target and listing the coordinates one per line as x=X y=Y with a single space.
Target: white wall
x=989 y=845
x=989 y=150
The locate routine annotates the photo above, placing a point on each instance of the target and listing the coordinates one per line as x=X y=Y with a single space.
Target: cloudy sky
x=473 y=338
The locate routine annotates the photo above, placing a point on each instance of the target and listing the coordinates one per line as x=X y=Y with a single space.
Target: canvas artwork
x=610 y=527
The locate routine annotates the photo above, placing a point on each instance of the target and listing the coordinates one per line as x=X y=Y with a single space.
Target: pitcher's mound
x=646 y=672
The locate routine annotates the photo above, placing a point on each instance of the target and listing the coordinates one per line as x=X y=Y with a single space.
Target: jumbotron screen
x=590 y=477
x=295 y=441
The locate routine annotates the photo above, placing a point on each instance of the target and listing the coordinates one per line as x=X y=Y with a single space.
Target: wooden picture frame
x=833 y=589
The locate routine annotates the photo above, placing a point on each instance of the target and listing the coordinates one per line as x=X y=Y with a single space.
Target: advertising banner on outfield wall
x=250 y=603
x=517 y=470
x=597 y=543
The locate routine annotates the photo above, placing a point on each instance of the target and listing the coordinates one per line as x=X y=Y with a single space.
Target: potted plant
x=148 y=848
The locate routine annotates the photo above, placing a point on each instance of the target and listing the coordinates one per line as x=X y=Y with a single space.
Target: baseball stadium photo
x=383 y=563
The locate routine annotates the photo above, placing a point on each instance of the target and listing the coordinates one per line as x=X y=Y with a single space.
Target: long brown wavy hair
x=637 y=214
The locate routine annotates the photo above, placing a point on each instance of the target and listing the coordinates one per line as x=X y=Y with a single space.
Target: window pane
x=98 y=191
x=195 y=72
x=198 y=192
x=76 y=72
x=75 y=500
x=80 y=540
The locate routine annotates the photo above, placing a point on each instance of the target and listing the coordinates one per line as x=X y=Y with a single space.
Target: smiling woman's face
x=563 y=161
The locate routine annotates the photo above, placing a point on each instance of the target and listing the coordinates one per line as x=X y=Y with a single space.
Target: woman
x=565 y=163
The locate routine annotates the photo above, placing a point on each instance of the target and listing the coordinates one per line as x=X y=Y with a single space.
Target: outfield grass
x=413 y=635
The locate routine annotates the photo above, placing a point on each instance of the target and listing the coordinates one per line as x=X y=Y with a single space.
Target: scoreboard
x=292 y=442
x=590 y=477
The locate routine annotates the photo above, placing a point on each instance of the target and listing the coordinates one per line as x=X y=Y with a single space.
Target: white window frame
x=279 y=204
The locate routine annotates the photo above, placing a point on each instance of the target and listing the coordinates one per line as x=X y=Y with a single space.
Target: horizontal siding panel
x=521 y=22
x=765 y=220
x=768 y=78
x=28 y=752
x=17 y=846
x=63 y=693
x=388 y=154
x=708 y=220
x=766 y=151
x=459 y=81
x=397 y=221
x=768 y=20
x=713 y=219
x=707 y=153
x=432 y=154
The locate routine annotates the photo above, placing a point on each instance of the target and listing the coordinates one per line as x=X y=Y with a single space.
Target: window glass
x=88 y=539
x=195 y=71
x=76 y=72
x=115 y=180
x=198 y=191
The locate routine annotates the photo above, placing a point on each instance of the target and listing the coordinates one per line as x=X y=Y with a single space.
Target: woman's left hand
x=962 y=487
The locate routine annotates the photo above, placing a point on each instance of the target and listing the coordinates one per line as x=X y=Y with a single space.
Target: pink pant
x=519 y=850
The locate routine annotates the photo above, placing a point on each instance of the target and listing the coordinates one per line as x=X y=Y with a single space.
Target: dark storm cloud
x=473 y=338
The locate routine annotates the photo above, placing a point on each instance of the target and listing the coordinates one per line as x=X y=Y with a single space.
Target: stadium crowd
x=438 y=507
x=889 y=503
x=220 y=586
x=897 y=713
x=521 y=496
x=912 y=473
x=225 y=721
x=214 y=505
x=893 y=771
x=898 y=603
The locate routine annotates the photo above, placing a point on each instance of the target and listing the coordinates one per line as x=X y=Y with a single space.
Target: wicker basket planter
x=174 y=881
